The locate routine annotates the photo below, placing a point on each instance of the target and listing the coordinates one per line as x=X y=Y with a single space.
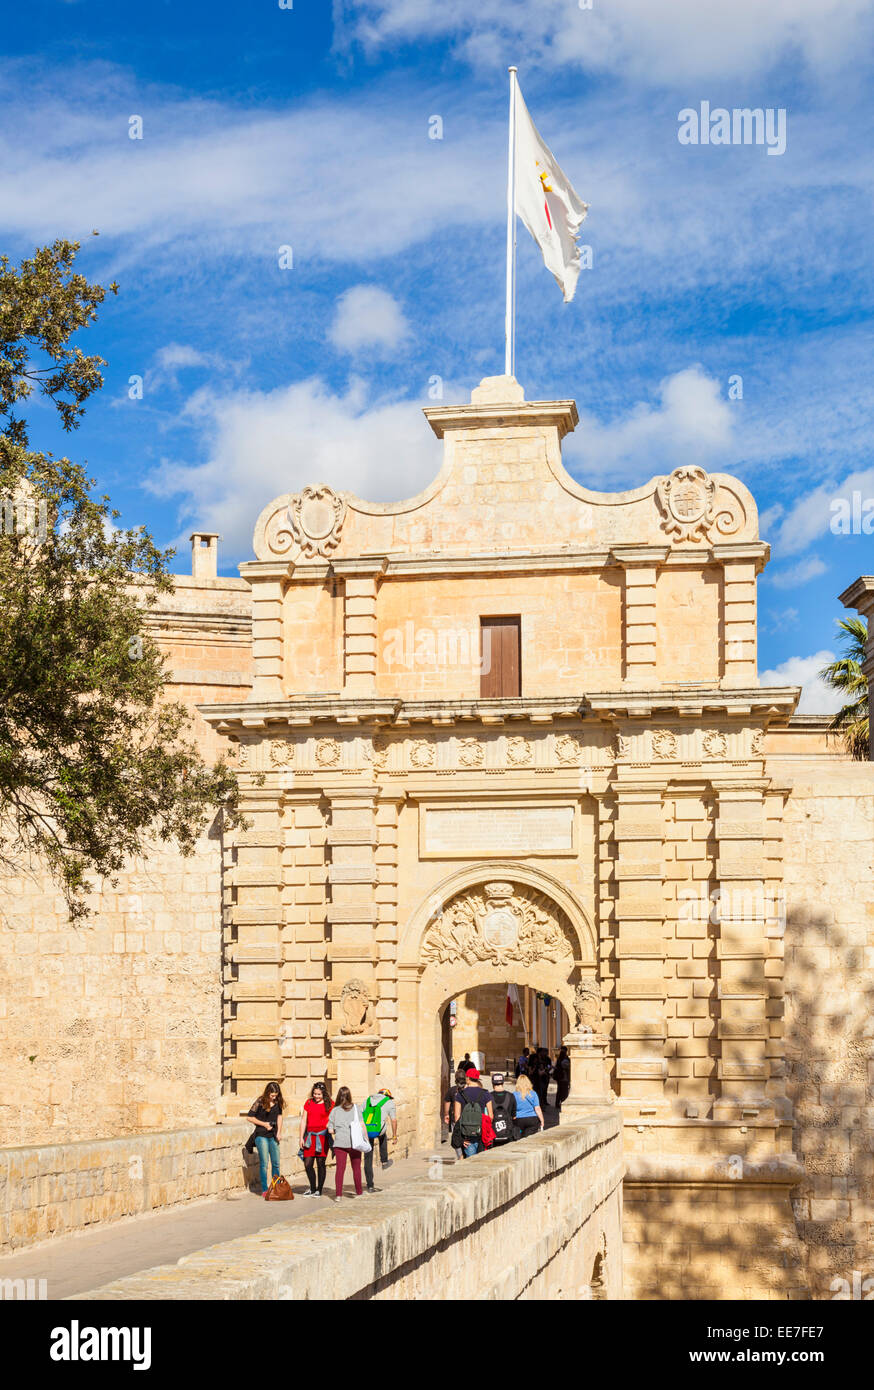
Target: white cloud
x=172 y=359
x=812 y=515
x=641 y=39
x=262 y=444
x=333 y=180
x=692 y=423
x=802 y=573
x=180 y=355
x=816 y=696
x=368 y=317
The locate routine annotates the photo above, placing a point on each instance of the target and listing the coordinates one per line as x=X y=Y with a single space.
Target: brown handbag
x=279 y=1191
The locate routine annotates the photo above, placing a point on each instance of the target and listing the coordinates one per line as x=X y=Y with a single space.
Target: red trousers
x=355 y=1159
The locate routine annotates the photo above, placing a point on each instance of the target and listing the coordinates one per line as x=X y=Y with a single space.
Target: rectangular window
x=500 y=658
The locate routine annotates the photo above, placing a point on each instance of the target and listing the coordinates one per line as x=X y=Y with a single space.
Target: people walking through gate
x=340 y=1122
x=314 y=1137
x=449 y=1098
x=266 y=1114
x=541 y=1070
x=504 y=1108
x=562 y=1073
x=380 y=1111
x=522 y=1063
x=471 y=1103
x=529 y=1116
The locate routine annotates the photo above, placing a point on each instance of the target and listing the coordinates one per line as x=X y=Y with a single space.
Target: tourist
x=340 y=1122
x=529 y=1116
x=266 y=1114
x=449 y=1098
x=314 y=1137
x=562 y=1073
x=522 y=1063
x=380 y=1111
x=539 y=1073
x=471 y=1103
x=504 y=1108
x=466 y=1065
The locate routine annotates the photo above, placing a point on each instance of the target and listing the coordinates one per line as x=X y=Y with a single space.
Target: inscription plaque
x=504 y=831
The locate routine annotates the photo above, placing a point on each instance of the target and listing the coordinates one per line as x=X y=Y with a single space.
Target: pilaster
x=641 y=1066
x=361 y=583
x=352 y=914
x=640 y=655
x=269 y=582
x=750 y=959
x=253 y=952
x=304 y=893
x=740 y=566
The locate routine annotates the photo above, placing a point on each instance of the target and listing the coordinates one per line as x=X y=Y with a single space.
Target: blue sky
x=308 y=127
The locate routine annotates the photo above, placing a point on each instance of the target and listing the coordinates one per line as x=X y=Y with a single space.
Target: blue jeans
x=471 y=1147
x=265 y=1145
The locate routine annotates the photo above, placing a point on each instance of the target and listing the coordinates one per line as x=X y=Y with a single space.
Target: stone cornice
x=229 y=625
x=777 y=703
x=503 y=415
x=860 y=594
x=443 y=563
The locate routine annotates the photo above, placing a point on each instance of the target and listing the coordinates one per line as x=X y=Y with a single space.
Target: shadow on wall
x=830 y=1067
x=749 y=1241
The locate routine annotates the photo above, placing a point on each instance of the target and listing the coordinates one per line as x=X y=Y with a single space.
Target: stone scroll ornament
x=690 y=510
x=314 y=519
x=501 y=923
x=356 y=1010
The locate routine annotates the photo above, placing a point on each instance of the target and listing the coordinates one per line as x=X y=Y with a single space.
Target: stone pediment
x=504 y=489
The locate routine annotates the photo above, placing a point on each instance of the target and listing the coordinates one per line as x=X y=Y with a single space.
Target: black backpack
x=503 y=1120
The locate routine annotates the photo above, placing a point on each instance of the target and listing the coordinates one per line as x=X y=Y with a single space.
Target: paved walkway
x=73 y=1264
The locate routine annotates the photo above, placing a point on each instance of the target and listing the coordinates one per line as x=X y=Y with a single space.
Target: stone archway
x=490 y=923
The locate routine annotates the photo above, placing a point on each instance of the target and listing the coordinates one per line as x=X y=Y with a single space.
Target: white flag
x=547 y=203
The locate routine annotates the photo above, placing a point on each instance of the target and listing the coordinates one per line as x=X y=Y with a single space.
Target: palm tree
x=845 y=674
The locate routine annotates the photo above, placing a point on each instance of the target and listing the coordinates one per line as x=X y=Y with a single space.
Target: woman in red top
x=314 y=1136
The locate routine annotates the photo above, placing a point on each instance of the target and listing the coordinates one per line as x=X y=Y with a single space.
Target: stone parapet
x=541 y=1219
x=56 y=1189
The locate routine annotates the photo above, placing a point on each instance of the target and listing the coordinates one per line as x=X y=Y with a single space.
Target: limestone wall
x=541 y=1219
x=113 y=1027
x=55 y=1189
x=829 y=876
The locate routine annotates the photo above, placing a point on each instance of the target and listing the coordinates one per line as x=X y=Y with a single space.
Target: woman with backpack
x=471 y=1103
x=529 y=1116
x=314 y=1137
x=341 y=1120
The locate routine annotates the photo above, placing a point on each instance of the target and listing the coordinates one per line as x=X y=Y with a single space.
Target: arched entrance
x=486 y=924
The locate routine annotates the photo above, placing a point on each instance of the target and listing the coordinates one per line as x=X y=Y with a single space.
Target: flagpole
x=510 y=314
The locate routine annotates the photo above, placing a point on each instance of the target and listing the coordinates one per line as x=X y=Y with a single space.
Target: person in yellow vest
x=378 y=1112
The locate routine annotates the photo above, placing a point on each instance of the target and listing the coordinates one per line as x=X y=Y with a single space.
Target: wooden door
x=500 y=655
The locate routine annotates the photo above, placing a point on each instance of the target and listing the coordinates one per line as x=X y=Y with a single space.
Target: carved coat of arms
x=503 y=923
x=316 y=517
x=687 y=500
